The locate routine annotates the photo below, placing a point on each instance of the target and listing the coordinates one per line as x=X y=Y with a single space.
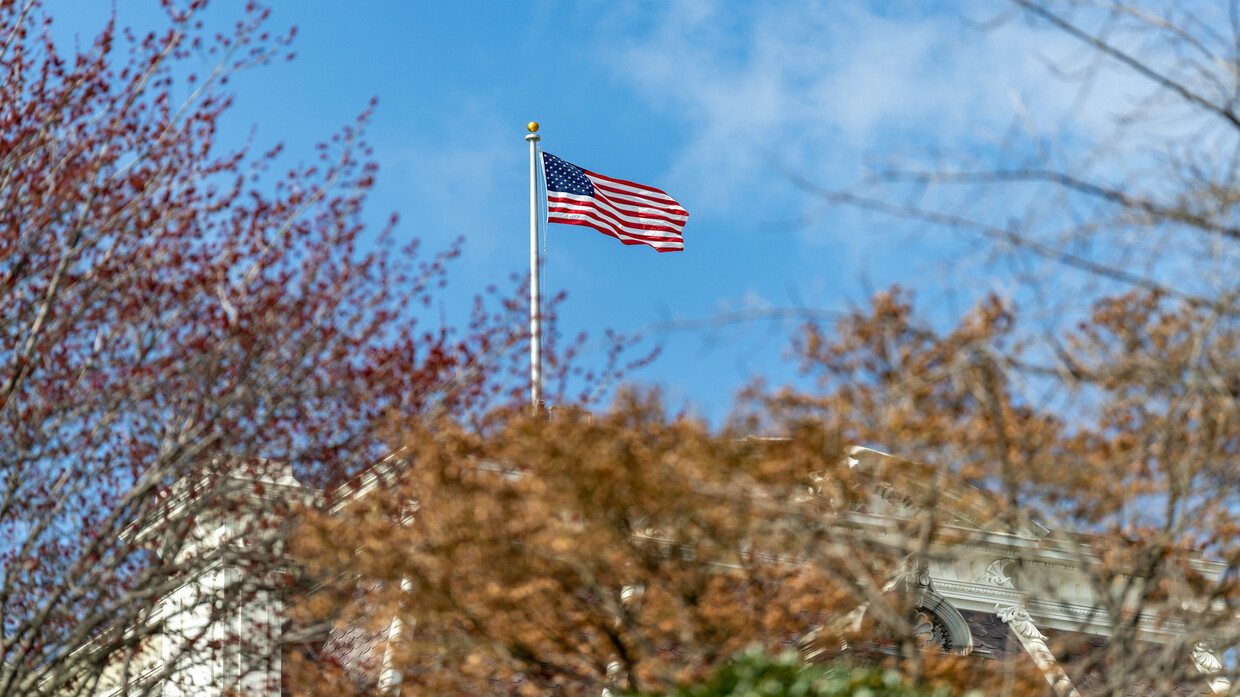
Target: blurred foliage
x=757 y=673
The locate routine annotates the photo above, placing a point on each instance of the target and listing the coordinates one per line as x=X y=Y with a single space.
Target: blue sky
x=700 y=98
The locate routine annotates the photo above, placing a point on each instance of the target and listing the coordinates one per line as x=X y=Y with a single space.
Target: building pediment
x=978 y=558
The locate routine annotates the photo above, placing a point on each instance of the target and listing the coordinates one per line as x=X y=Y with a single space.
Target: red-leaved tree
x=172 y=324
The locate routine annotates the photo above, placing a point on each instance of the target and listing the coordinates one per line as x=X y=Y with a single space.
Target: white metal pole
x=535 y=292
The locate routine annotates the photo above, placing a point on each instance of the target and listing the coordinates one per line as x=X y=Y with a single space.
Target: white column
x=1017 y=617
x=1034 y=642
x=390 y=677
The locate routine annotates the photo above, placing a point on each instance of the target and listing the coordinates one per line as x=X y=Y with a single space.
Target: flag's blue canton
x=564 y=177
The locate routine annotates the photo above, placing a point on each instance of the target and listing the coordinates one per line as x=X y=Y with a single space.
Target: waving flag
x=632 y=213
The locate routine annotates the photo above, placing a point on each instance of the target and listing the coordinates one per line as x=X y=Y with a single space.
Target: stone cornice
x=1052 y=614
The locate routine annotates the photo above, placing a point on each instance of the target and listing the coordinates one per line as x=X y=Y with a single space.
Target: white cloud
x=819 y=84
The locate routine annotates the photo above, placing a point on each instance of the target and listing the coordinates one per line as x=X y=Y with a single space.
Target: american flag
x=632 y=213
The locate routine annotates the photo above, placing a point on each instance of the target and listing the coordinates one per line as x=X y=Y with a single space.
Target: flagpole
x=535 y=293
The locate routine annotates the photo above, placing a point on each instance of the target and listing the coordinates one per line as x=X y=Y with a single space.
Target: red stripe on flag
x=637 y=220
x=662 y=244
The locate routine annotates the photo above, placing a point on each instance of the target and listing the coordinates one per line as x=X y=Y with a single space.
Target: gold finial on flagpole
x=532 y=126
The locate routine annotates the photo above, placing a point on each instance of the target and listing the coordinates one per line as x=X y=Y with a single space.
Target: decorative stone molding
x=985 y=593
x=1034 y=642
x=954 y=635
x=890 y=501
x=937 y=621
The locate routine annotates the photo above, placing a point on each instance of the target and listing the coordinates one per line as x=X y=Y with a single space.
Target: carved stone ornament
x=817 y=488
x=931 y=631
x=1209 y=665
x=1018 y=618
x=897 y=504
x=1205 y=659
x=917 y=578
x=996 y=573
x=911 y=575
